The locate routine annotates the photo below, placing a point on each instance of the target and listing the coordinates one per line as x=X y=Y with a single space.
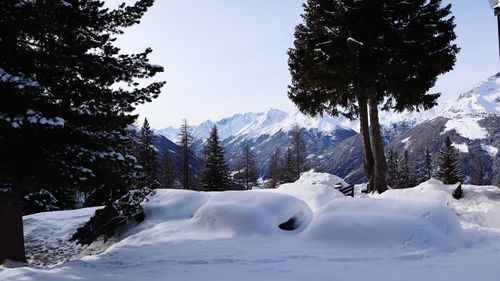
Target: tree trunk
x=364 y=132
x=11 y=227
x=247 y=173
x=297 y=157
x=380 y=168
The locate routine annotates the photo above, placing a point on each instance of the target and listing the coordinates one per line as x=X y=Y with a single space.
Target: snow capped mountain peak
x=276 y=112
x=169 y=132
x=253 y=125
x=275 y=120
x=470 y=108
x=482 y=101
x=227 y=127
x=264 y=123
x=203 y=130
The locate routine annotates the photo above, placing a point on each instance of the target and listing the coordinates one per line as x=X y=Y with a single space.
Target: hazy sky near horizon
x=223 y=57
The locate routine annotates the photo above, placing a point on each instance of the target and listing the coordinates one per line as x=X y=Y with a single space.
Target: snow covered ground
x=413 y=234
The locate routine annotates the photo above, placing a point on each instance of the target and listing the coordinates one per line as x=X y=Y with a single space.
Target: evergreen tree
x=215 y=172
x=168 y=170
x=289 y=172
x=275 y=168
x=147 y=156
x=477 y=172
x=428 y=164
x=407 y=177
x=104 y=188
x=448 y=171
x=185 y=149
x=250 y=171
x=64 y=124
x=299 y=149
x=41 y=201
x=393 y=169
x=349 y=57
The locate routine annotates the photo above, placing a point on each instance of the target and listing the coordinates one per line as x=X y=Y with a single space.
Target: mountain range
x=472 y=121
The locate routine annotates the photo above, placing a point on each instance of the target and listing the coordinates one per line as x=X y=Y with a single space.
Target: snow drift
x=173 y=204
x=312 y=178
x=191 y=235
x=251 y=213
x=386 y=223
x=316 y=189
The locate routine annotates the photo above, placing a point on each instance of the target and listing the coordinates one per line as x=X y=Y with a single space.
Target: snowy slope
x=46 y=236
x=464 y=112
x=406 y=235
x=470 y=108
x=482 y=101
x=478 y=103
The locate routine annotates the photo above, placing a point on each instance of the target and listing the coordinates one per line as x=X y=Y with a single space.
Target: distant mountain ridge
x=472 y=121
x=253 y=125
x=267 y=131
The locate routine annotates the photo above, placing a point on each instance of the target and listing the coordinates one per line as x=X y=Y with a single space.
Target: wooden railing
x=346 y=190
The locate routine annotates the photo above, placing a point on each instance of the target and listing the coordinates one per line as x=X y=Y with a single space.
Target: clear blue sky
x=227 y=56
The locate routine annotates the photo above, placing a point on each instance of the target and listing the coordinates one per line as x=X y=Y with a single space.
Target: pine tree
x=448 y=171
x=64 y=124
x=289 y=172
x=428 y=164
x=185 y=149
x=147 y=156
x=299 y=149
x=275 y=168
x=215 y=172
x=407 y=177
x=168 y=170
x=250 y=172
x=477 y=172
x=393 y=169
x=349 y=57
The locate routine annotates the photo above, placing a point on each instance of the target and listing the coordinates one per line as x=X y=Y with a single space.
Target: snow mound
x=312 y=178
x=316 y=189
x=316 y=196
x=173 y=204
x=432 y=190
x=480 y=206
x=246 y=213
x=388 y=223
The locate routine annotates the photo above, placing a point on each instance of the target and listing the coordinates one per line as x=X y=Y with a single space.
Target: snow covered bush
x=41 y=201
x=109 y=220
